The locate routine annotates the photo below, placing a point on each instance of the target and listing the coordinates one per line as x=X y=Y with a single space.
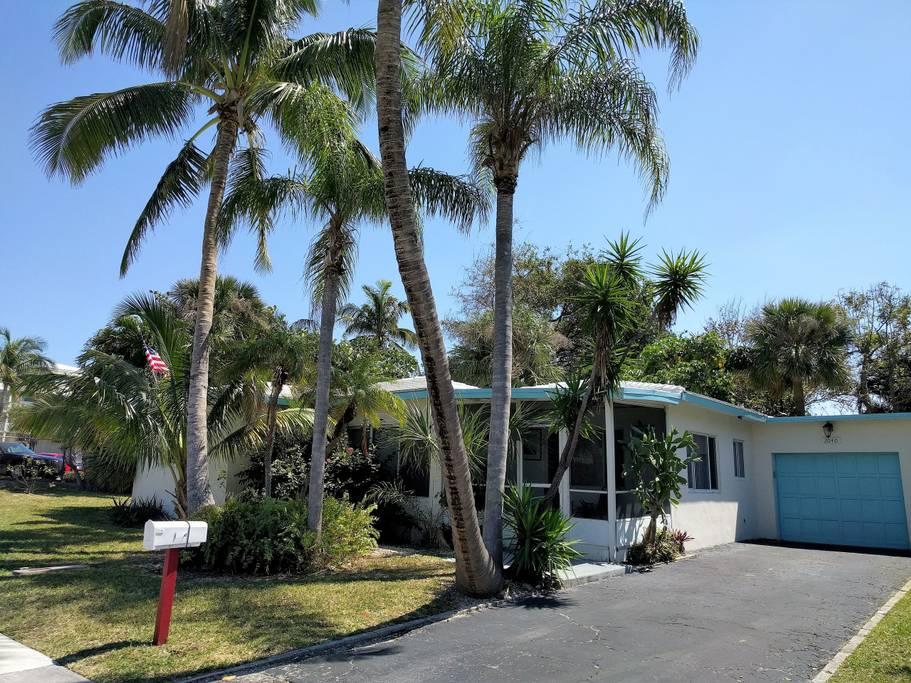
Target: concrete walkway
x=19 y=663
x=736 y=613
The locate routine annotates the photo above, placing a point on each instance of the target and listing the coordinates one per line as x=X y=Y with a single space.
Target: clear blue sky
x=789 y=147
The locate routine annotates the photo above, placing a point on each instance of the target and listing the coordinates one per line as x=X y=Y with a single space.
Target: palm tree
x=532 y=73
x=615 y=303
x=137 y=419
x=19 y=358
x=607 y=315
x=283 y=356
x=379 y=317
x=795 y=344
x=344 y=189
x=239 y=62
x=476 y=572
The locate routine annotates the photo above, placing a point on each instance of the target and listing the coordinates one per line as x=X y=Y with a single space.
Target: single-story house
x=837 y=479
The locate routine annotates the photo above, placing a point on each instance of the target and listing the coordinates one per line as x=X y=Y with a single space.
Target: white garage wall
x=727 y=514
x=864 y=435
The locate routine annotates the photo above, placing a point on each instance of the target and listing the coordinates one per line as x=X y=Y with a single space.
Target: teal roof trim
x=723 y=407
x=873 y=417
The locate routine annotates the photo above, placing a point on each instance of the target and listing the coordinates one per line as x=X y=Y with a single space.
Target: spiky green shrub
x=135 y=512
x=540 y=549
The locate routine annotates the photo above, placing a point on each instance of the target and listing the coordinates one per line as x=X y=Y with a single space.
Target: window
x=702 y=475
x=739 y=470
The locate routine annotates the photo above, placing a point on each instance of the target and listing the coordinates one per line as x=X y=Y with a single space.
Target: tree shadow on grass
x=120 y=597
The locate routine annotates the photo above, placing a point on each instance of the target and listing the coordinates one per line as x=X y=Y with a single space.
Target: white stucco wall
x=728 y=513
x=157 y=482
x=850 y=436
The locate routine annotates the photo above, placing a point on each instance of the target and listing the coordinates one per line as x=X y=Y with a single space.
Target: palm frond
x=678 y=283
x=117 y=29
x=178 y=186
x=72 y=138
x=460 y=199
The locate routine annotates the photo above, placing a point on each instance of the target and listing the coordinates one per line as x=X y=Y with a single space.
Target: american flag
x=156 y=365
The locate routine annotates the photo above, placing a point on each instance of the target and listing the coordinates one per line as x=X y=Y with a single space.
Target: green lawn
x=885 y=654
x=98 y=621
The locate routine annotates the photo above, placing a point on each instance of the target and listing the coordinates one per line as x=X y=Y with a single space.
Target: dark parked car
x=12 y=453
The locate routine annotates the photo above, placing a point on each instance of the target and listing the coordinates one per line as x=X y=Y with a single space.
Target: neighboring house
x=834 y=479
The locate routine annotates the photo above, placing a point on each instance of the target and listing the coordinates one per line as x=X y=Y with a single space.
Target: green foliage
x=795 y=346
x=134 y=512
x=665 y=548
x=118 y=409
x=392 y=362
x=697 y=362
x=379 y=317
x=655 y=467
x=108 y=474
x=539 y=547
x=270 y=536
x=349 y=471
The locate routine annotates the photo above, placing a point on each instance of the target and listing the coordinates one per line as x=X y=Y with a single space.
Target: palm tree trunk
x=270 y=434
x=798 y=398
x=321 y=408
x=569 y=450
x=501 y=372
x=7 y=404
x=198 y=492
x=476 y=572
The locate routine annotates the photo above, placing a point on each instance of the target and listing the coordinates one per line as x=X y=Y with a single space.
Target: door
x=841 y=499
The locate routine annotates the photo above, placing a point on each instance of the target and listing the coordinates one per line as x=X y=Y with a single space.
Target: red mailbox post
x=170 y=537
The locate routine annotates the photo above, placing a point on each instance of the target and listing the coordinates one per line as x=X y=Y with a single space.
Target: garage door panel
x=848 y=487
x=891 y=489
x=888 y=464
x=841 y=498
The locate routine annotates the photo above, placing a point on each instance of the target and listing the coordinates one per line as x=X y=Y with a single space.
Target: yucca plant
x=540 y=548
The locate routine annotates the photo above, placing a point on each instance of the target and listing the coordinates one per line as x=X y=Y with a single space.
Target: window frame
x=740 y=471
x=712 y=470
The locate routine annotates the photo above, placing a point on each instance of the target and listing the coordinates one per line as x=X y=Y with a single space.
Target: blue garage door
x=841 y=499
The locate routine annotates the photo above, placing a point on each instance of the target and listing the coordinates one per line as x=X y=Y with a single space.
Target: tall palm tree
x=240 y=64
x=282 y=356
x=19 y=358
x=476 y=572
x=379 y=317
x=344 y=189
x=795 y=344
x=532 y=73
x=135 y=418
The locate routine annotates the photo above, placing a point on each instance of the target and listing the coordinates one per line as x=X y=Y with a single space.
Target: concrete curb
x=849 y=647
x=384 y=632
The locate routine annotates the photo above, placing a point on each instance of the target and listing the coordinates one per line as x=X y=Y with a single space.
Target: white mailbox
x=166 y=535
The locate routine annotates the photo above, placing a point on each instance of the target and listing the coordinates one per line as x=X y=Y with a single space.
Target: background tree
x=614 y=304
x=132 y=418
x=239 y=59
x=476 y=572
x=796 y=345
x=282 y=356
x=19 y=358
x=379 y=317
x=530 y=74
x=880 y=347
x=697 y=362
x=344 y=189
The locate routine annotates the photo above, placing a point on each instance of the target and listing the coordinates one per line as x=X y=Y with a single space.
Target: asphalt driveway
x=738 y=612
